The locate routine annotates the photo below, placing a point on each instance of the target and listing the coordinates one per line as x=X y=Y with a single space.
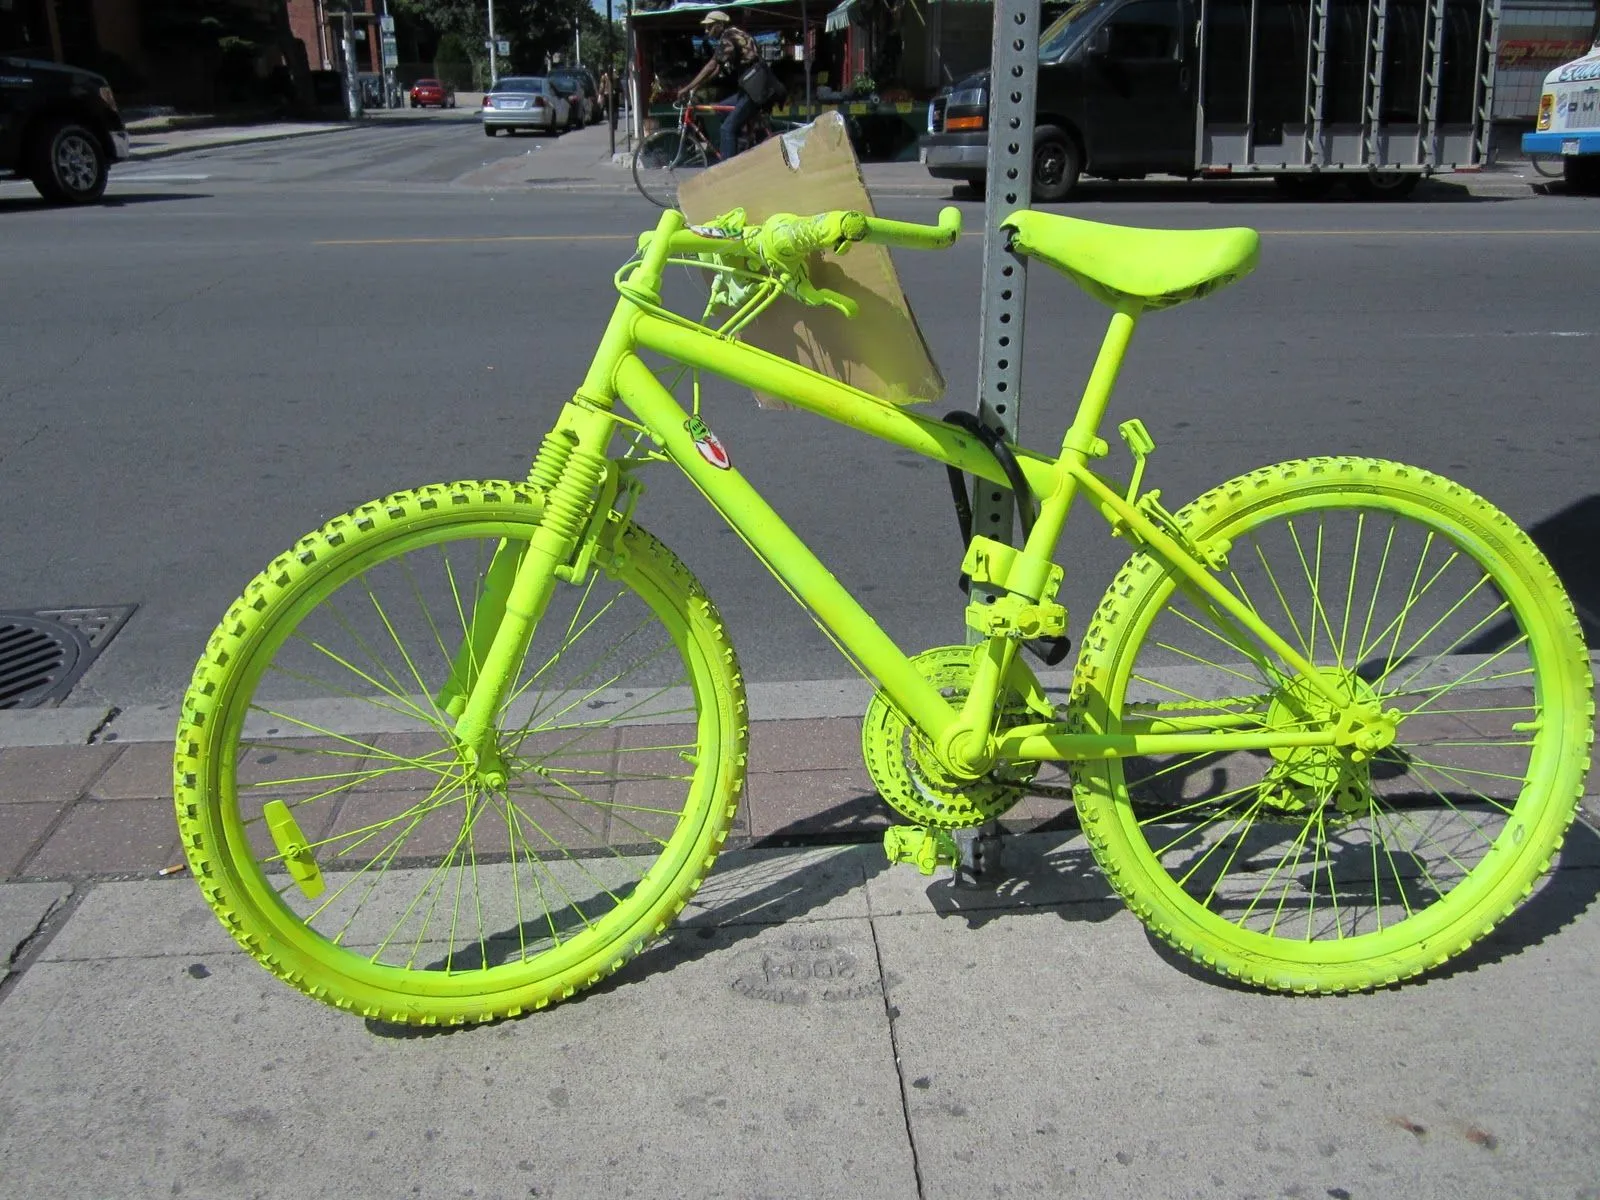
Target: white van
x=1569 y=120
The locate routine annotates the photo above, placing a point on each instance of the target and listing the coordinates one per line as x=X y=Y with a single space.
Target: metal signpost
x=1013 y=76
x=1013 y=73
x=493 y=46
x=391 y=56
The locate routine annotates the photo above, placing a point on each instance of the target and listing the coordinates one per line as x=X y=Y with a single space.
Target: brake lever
x=809 y=293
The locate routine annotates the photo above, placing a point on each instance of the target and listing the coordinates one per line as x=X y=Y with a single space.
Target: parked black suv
x=59 y=127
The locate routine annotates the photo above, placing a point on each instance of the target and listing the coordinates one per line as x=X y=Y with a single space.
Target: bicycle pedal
x=928 y=849
x=293 y=846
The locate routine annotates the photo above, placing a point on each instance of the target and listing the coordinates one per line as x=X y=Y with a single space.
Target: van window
x=1145 y=30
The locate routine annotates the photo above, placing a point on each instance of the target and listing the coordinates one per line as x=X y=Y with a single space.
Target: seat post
x=1082 y=437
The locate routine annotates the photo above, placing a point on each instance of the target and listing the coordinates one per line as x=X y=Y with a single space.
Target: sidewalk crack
x=892 y=1014
x=34 y=939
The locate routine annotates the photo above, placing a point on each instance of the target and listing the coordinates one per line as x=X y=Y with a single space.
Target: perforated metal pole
x=1013 y=75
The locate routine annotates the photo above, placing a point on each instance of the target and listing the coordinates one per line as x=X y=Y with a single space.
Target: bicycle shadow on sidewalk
x=1558 y=900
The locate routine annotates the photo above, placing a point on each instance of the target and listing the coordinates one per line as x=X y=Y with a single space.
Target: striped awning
x=838 y=18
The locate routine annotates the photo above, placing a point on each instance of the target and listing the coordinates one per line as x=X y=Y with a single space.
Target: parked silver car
x=525 y=102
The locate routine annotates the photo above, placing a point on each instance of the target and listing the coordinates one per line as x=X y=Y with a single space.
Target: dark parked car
x=59 y=127
x=578 y=82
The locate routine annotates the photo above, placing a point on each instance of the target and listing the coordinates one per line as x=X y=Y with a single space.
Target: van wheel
x=1383 y=185
x=67 y=163
x=1304 y=187
x=1055 y=163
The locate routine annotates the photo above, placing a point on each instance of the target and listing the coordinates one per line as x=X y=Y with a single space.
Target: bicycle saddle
x=1156 y=268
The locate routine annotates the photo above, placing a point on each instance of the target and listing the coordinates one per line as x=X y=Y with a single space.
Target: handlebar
x=783 y=243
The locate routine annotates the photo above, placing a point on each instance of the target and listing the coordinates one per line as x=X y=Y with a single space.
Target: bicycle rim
x=349 y=843
x=1551 y=166
x=664 y=160
x=1315 y=869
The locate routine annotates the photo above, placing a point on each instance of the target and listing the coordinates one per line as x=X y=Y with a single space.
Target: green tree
x=536 y=29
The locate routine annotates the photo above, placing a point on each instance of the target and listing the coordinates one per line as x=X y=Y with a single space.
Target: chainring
x=904 y=768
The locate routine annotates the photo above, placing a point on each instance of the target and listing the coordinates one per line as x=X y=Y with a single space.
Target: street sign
x=386 y=24
x=391 y=51
x=505 y=48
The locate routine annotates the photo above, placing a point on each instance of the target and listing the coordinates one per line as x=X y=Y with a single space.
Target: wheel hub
x=1336 y=778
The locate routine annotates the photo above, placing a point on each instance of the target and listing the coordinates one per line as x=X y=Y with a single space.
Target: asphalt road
x=250 y=340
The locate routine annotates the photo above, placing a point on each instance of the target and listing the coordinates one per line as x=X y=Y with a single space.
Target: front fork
x=573 y=473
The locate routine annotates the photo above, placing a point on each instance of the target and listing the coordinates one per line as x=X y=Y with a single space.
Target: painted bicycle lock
x=466 y=749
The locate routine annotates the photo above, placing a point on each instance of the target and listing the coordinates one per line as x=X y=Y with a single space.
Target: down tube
x=782 y=551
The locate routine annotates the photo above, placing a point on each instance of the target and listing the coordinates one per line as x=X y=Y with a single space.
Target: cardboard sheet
x=812 y=170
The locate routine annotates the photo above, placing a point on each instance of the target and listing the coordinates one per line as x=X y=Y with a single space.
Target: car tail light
x=109 y=99
x=538 y=101
x=488 y=101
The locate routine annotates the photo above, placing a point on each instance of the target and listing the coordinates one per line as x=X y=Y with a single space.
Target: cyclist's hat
x=717 y=17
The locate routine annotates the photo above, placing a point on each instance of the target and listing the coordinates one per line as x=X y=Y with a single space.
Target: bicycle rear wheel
x=356 y=850
x=1324 y=869
x=664 y=160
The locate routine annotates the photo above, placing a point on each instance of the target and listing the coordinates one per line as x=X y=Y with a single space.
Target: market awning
x=647 y=14
x=838 y=18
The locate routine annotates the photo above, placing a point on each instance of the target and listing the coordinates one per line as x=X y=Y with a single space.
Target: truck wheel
x=1582 y=174
x=67 y=163
x=1383 y=185
x=1304 y=187
x=1055 y=163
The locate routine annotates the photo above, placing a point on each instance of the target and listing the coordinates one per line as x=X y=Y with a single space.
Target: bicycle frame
x=581 y=485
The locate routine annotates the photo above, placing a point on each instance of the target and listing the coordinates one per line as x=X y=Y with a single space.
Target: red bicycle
x=668 y=156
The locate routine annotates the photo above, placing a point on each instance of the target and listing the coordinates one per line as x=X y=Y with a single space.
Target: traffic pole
x=494 y=47
x=1013 y=75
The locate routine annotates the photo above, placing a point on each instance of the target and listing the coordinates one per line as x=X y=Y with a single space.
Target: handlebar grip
x=916 y=237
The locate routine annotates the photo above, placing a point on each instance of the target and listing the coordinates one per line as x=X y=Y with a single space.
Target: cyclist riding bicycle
x=735 y=54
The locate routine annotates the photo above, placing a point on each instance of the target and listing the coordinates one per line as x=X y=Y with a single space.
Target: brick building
x=308 y=21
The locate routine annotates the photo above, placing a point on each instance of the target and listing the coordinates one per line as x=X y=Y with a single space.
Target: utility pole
x=347 y=23
x=494 y=47
x=385 y=39
x=805 y=57
x=611 y=78
x=352 y=85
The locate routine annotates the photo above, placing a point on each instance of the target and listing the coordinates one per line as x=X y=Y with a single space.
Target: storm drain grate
x=45 y=651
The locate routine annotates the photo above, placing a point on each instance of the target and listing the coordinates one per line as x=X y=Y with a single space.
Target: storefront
x=1537 y=36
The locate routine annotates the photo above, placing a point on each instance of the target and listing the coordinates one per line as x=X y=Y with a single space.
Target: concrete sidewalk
x=817 y=1024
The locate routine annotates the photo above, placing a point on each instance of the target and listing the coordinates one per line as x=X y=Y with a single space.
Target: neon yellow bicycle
x=465 y=750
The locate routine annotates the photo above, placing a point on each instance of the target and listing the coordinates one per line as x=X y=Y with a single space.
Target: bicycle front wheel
x=353 y=847
x=663 y=161
x=1329 y=868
